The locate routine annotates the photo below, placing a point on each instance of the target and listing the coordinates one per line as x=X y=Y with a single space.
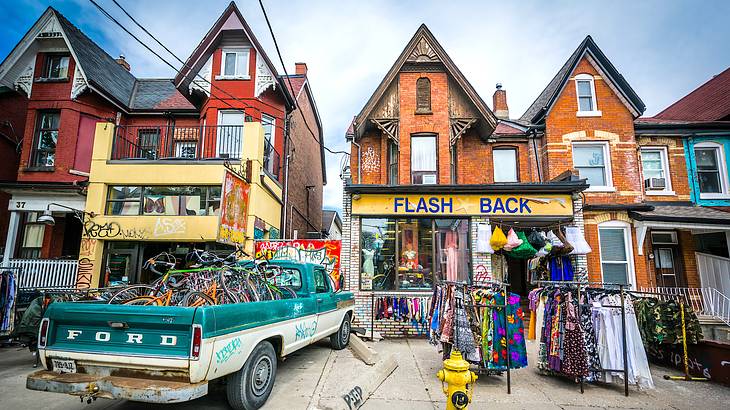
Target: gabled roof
x=226 y=21
x=101 y=70
x=708 y=102
x=300 y=84
x=330 y=218
x=510 y=128
x=536 y=113
x=423 y=42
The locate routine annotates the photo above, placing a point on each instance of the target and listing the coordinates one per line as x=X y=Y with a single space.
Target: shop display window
x=163 y=200
x=409 y=254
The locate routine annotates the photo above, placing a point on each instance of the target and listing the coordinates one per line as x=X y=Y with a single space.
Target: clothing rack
x=491 y=284
x=412 y=293
x=682 y=300
x=622 y=306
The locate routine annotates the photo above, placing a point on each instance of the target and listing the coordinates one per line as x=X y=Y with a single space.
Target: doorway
x=667 y=259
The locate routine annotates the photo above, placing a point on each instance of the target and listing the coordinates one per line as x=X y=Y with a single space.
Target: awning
x=694 y=218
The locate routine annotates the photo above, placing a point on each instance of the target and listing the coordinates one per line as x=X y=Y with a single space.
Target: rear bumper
x=114 y=387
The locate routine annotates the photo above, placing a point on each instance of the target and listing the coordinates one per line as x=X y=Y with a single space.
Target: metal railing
x=162 y=142
x=703 y=301
x=45 y=273
x=158 y=142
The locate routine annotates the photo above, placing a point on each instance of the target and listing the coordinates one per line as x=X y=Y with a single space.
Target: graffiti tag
x=87 y=247
x=111 y=230
x=305 y=331
x=481 y=274
x=83 y=277
x=229 y=350
x=370 y=160
x=354 y=398
x=168 y=226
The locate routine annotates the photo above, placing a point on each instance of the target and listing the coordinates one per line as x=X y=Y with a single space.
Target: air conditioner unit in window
x=429 y=179
x=655 y=183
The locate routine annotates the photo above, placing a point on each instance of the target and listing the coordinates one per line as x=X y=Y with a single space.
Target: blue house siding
x=689 y=145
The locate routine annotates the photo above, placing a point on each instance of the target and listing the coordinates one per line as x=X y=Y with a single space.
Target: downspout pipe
x=537 y=158
x=359 y=178
x=287 y=156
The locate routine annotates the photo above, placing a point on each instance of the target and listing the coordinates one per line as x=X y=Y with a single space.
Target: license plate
x=64 y=366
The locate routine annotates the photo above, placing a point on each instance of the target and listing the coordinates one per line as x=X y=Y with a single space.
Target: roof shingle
x=708 y=102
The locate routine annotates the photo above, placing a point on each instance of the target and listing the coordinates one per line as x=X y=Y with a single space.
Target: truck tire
x=250 y=387
x=340 y=339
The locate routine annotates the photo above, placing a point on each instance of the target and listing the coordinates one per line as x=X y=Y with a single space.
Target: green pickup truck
x=160 y=354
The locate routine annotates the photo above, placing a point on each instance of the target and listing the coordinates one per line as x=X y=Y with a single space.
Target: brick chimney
x=123 y=62
x=300 y=68
x=499 y=103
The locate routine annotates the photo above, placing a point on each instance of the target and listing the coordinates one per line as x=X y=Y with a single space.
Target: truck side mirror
x=341 y=282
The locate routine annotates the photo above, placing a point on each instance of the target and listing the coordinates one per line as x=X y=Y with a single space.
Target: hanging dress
x=452 y=257
x=575 y=362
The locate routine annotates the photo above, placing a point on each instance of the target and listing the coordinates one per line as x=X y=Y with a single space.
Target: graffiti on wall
x=87 y=247
x=168 y=226
x=86 y=270
x=370 y=160
x=112 y=230
x=320 y=251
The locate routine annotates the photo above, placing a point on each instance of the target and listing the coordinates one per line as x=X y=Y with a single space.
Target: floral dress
x=510 y=333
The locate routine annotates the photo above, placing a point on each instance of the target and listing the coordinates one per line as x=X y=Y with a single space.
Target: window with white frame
x=617 y=265
x=655 y=166
x=711 y=170
x=423 y=159
x=585 y=90
x=591 y=160
x=234 y=63
x=505 y=164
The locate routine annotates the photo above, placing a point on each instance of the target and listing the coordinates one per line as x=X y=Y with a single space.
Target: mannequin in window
x=368 y=266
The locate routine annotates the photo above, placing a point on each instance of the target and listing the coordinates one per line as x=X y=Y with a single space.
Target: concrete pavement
x=312 y=377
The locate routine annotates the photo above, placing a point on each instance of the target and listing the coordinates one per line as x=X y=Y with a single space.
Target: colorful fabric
x=510 y=333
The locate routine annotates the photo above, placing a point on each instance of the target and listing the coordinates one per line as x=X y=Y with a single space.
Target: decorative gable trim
x=264 y=78
x=79 y=83
x=423 y=53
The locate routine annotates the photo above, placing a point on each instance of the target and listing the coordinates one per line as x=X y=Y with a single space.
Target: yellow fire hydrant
x=458 y=380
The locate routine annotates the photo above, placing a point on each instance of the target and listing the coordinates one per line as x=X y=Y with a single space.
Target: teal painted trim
x=689 y=158
x=690 y=144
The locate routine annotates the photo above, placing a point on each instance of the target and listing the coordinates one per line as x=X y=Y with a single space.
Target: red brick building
x=59 y=83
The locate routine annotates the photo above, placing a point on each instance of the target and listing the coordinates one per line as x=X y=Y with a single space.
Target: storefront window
x=163 y=200
x=378 y=254
x=408 y=254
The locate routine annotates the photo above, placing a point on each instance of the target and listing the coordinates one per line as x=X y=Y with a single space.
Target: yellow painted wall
x=104 y=172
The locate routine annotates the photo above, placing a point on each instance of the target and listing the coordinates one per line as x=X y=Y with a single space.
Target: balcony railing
x=168 y=142
x=45 y=273
x=152 y=142
x=703 y=301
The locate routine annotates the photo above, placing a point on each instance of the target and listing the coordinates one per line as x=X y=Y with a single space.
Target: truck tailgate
x=146 y=331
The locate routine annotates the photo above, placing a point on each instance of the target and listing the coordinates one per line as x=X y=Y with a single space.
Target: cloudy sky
x=663 y=48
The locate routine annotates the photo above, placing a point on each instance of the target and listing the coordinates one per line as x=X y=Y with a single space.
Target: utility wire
x=185 y=65
x=283 y=66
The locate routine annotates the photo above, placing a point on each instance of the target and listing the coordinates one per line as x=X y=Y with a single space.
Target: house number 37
x=20 y=204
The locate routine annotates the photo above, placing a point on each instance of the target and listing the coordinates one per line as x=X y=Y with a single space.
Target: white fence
x=703 y=301
x=45 y=273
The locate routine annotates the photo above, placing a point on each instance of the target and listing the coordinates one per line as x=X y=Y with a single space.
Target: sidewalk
x=313 y=377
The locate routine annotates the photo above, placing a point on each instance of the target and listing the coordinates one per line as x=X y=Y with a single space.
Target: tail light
x=43 y=333
x=196 y=342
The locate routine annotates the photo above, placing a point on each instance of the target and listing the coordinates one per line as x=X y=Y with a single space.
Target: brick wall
x=305 y=169
x=615 y=125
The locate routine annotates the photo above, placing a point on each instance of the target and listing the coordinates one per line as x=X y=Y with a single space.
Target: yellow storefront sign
x=468 y=204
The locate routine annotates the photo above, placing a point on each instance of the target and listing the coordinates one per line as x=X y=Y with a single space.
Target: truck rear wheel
x=341 y=338
x=250 y=387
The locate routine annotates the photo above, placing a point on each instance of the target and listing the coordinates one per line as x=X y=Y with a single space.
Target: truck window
x=290 y=277
x=320 y=281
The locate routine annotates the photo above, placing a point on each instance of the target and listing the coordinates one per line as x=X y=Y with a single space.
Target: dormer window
x=586 y=92
x=56 y=67
x=423 y=96
x=234 y=64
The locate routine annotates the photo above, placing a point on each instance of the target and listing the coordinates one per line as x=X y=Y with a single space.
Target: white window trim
x=594 y=112
x=607 y=157
x=272 y=121
x=238 y=50
x=725 y=194
x=516 y=169
x=673 y=234
x=665 y=164
x=631 y=271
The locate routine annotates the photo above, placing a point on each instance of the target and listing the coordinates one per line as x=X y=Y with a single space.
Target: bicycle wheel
x=287 y=292
x=143 y=301
x=196 y=298
x=131 y=292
